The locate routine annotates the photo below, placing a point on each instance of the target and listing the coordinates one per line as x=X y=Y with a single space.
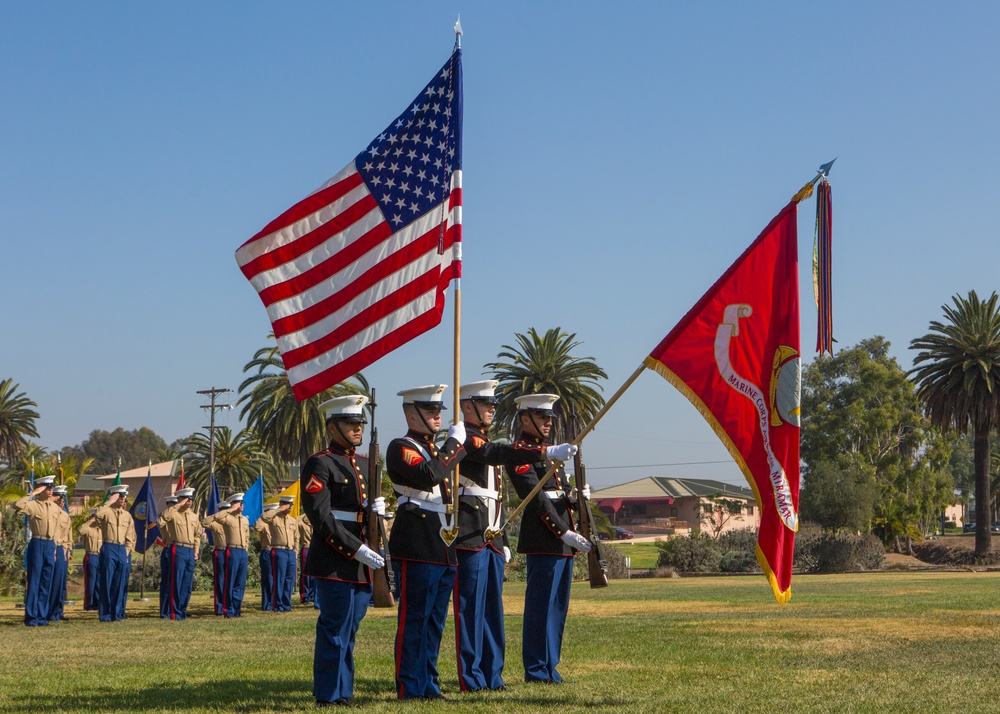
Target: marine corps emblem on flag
x=313 y=485
x=411 y=457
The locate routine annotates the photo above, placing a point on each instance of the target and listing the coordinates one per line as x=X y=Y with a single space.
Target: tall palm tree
x=546 y=365
x=957 y=373
x=17 y=422
x=289 y=429
x=239 y=459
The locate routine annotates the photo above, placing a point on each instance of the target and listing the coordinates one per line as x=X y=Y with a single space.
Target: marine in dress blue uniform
x=307 y=592
x=423 y=562
x=549 y=542
x=478 y=601
x=339 y=561
x=43 y=520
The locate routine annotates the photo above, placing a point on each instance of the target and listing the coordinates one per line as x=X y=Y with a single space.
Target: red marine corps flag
x=735 y=355
x=360 y=266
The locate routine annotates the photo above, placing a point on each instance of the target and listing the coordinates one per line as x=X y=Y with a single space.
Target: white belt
x=423 y=505
x=352 y=516
x=478 y=491
x=553 y=495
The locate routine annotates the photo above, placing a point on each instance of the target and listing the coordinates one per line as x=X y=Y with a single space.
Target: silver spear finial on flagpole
x=458 y=32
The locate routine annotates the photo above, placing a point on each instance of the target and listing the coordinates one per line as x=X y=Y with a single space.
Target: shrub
x=739 y=551
x=827 y=553
x=695 y=554
x=614 y=563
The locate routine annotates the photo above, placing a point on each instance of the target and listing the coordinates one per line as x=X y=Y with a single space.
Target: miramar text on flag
x=360 y=267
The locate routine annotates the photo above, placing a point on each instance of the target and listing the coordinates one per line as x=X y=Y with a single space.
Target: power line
x=650 y=466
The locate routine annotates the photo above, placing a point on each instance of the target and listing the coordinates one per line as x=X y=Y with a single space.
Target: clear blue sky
x=618 y=157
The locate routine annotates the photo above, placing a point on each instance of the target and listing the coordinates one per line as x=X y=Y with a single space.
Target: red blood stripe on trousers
x=302 y=245
x=309 y=205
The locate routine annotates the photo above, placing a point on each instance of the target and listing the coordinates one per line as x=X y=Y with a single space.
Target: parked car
x=971 y=528
x=621 y=533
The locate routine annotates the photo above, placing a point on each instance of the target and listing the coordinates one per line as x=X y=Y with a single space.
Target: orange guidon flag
x=735 y=355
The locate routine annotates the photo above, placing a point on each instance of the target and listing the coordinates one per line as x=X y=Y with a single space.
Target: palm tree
x=17 y=422
x=957 y=373
x=239 y=460
x=289 y=429
x=545 y=365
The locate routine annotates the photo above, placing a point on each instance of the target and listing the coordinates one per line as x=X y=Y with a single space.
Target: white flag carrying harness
x=425 y=500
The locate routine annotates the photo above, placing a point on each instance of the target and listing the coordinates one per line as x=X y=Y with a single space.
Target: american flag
x=360 y=267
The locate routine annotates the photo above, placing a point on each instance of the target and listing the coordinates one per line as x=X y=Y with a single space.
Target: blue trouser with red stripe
x=423 y=593
x=546 y=602
x=91 y=568
x=57 y=593
x=341 y=607
x=236 y=580
x=479 y=627
x=283 y=577
x=41 y=561
x=266 y=579
x=165 y=562
x=307 y=589
x=181 y=576
x=115 y=570
x=219 y=579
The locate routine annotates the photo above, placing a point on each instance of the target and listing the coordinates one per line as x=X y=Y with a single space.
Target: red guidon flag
x=735 y=355
x=360 y=267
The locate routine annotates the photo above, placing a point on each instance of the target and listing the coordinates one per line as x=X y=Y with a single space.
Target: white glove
x=378 y=505
x=457 y=431
x=586 y=492
x=506 y=554
x=561 y=452
x=575 y=540
x=369 y=557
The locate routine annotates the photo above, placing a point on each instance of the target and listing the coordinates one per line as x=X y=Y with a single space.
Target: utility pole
x=213 y=407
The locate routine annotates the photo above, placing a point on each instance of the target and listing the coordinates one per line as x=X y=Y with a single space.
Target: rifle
x=382 y=596
x=596 y=568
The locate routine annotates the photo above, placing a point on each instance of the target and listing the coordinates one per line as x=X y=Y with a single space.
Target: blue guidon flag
x=144 y=514
x=361 y=266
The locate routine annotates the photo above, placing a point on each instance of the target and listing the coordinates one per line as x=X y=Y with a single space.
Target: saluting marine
x=218 y=557
x=422 y=559
x=479 y=589
x=91 y=539
x=284 y=532
x=307 y=591
x=339 y=560
x=166 y=537
x=64 y=551
x=43 y=521
x=237 y=530
x=118 y=532
x=265 y=561
x=548 y=539
x=185 y=531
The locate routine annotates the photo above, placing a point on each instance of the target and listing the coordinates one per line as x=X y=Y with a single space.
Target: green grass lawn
x=881 y=642
x=643 y=555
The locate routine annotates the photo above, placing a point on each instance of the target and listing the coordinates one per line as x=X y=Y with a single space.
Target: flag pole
x=450 y=533
x=491 y=534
